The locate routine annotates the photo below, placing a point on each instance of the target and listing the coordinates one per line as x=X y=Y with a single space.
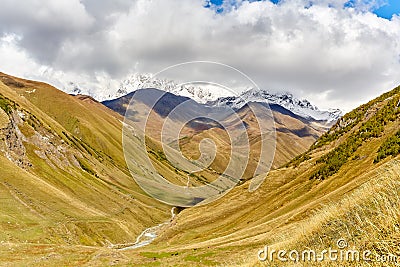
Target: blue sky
x=386 y=11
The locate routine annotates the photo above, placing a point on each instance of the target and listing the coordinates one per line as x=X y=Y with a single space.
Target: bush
x=6 y=104
x=85 y=166
x=391 y=147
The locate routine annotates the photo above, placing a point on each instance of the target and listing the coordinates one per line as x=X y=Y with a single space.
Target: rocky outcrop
x=20 y=129
x=12 y=142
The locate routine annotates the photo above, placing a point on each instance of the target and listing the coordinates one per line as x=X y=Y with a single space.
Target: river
x=148 y=235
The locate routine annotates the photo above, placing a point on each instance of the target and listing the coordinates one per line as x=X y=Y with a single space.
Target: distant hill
x=295 y=133
x=302 y=108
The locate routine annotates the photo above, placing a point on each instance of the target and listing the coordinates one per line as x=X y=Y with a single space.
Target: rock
x=4 y=119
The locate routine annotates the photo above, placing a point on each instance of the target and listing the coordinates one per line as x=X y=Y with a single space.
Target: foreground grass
x=367 y=219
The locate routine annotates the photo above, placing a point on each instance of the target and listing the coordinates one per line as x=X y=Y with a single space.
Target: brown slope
x=244 y=221
x=294 y=134
x=293 y=137
x=64 y=177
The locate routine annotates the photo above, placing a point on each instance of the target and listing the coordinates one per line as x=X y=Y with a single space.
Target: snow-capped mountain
x=112 y=90
x=299 y=107
x=201 y=94
x=210 y=95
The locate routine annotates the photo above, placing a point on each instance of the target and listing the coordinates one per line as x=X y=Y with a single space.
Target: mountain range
x=214 y=96
x=294 y=133
x=299 y=107
x=67 y=197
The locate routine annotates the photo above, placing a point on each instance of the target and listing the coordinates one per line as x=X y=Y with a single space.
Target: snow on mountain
x=201 y=94
x=111 y=90
x=207 y=94
x=299 y=107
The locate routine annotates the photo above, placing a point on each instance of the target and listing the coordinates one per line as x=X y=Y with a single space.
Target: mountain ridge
x=299 y=107
x=294 y=133
x=217 y=96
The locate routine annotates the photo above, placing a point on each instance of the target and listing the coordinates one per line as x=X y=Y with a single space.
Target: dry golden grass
x=285 y=211
x=56 y=201
x=241 y=223
x=367 y=218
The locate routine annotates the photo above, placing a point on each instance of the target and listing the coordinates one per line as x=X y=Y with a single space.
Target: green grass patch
x=6 y=104
x=201 y=258
x=158 y=255
x=85 y=166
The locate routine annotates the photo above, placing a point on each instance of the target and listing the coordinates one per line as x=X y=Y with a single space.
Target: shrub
x=391 y=147
x=6 y=104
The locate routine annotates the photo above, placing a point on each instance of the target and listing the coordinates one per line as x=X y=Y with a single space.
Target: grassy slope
x=367 y=219
x=242 y=222
x=91 y=203
x=231 y=230
x=294 y=136
x=288 y=143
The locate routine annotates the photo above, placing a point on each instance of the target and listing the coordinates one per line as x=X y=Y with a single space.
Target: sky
x=388 y=9
x=335 y=53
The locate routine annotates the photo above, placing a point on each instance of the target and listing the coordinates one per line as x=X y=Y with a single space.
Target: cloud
x=43 y=26
x=333 y=55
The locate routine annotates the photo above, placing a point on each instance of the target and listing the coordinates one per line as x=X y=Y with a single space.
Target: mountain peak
x=212 y=95
x=301 y=107
x=201 y=94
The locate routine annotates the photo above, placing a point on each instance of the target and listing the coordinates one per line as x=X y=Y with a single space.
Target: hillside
x=64 y=180
x=365 y=219
x=294 y=133
x=66 y=193
x=359 y=148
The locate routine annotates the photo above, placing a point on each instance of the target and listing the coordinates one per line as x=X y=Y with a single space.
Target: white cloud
x=333 y=56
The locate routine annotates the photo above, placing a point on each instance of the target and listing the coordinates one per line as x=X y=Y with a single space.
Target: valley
x=67 y=196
